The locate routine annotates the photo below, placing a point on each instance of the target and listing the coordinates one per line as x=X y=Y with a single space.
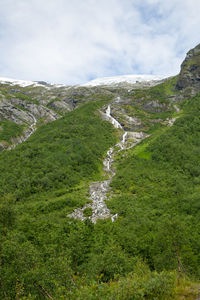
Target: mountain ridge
x=133 y=78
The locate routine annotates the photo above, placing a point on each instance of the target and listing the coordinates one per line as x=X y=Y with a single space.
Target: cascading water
x=115 y=123
x=124 y=137
x=108 y=111
x=99 y=189
x=32 y=127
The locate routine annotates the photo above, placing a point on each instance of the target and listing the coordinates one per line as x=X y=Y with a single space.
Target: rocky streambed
x=99 y=189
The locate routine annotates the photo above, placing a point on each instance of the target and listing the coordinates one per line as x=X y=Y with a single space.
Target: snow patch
x=124 y=78
x=22 y=83
x=25 y=83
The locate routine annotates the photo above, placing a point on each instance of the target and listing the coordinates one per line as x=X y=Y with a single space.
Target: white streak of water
x=115 y=123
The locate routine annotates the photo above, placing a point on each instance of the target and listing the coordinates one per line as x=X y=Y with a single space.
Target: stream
x=99 y=189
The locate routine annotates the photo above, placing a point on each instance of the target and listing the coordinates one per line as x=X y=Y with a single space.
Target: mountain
x=25 y=105
x=99 y=188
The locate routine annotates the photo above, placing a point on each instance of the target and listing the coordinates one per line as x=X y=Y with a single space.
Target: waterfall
x=115 y=123
x=108 y=111
x=99 y=189
x=124 y=137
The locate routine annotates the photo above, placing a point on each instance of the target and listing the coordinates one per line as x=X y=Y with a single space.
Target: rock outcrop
x=189 y=77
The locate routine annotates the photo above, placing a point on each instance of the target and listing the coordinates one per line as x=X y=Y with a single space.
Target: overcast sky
x=73 y=41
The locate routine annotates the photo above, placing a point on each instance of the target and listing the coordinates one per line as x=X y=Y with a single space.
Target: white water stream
x=115 y=123
x=98 y=190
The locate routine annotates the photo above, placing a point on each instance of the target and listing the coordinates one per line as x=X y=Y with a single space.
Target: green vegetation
x=9 y=130
x=27 y=98
x=43 y=180
x=52 y=101
x=163 y=90
x=87 y=212
x=156 y=195
x=194 y=61
x=151 y=251
x=151 y=105
x=158 y=92
x=59 y=154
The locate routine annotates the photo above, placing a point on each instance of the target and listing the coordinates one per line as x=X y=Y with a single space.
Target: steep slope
x=30 y=104
x=156 y=190
x=189 y=77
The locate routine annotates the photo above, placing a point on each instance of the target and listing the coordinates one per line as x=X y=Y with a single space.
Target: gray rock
x=189 y=77
x=155 y=106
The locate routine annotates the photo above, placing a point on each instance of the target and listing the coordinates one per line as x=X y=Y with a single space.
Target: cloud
x=74 y=41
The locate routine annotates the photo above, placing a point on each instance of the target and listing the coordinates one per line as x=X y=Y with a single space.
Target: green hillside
x=157 y=196
x=59 y=155
x=156 y=192
x=151 y=250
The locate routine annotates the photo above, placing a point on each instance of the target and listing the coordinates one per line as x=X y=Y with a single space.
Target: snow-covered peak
x=122 y=79
x=22 y=83
x=25 y=83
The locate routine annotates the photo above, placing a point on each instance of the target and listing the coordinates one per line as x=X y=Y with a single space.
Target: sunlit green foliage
x=59 y=154
x=9 y=130
x=155 y=192
x=157 y=196
x=27 y=98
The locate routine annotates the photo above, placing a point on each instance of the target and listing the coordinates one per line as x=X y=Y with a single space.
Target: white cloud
x=72 y=41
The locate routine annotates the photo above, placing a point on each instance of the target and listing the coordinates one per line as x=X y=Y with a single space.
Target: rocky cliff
x=189 y=78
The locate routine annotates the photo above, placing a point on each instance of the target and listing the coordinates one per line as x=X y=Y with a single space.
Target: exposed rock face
x=155 y=106
x=189 y=77
x=60 y=106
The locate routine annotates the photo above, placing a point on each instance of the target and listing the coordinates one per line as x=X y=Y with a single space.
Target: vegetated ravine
x=99 y=189
x=26 y=134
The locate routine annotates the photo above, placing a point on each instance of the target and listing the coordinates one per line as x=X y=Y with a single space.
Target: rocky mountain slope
x=189 y=78
x=136 y=102
x=29 y=103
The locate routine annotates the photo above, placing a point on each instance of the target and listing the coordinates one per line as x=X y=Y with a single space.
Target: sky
x=74 y=41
